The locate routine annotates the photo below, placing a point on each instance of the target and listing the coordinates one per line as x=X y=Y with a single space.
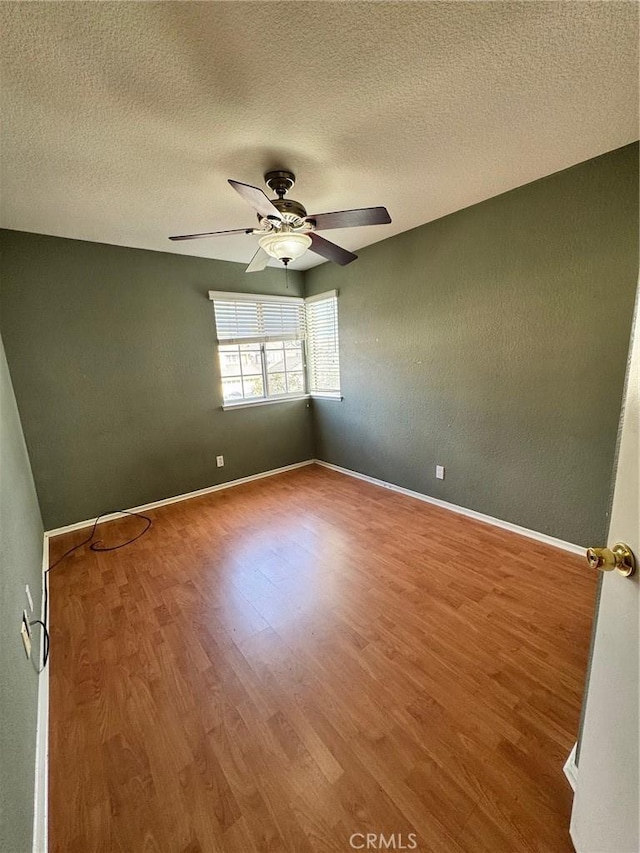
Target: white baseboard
x=79 y=525
x=470 y=513
x=41 y=789
x=571 y=768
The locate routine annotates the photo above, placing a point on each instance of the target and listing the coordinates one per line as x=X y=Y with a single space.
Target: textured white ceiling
x=122 y=121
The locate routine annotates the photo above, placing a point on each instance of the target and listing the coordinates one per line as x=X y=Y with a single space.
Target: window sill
x=248 y=404
x=337 y=397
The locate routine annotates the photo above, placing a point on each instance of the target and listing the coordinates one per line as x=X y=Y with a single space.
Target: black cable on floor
x=94 y=546
x=45 y=655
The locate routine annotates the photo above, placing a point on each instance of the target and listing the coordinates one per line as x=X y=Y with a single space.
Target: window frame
x=268 y=398
x=293 y=329
x=263 y=339
x=309 y=300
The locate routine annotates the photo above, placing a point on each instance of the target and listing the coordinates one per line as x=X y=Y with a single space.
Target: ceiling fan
x=285 y=229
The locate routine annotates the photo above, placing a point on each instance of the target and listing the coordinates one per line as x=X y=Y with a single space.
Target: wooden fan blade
x=257 y=199
x=351 y=218
x=330 y=251
x=258 y=261
x=212 y=234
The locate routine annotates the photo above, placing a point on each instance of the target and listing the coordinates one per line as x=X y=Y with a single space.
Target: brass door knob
x=620 y=557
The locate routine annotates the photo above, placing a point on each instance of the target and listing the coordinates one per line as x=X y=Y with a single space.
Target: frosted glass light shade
x=288 y=245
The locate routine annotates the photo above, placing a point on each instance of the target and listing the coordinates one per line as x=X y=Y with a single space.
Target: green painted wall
x=113 y=359
x=494 y=342
x=20 y=564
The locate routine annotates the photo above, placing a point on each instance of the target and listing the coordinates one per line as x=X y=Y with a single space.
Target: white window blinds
x=323 y=355
x=243 y=318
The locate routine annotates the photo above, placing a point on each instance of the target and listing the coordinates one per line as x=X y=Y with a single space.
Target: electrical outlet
x=220 y=461
x=25 y=633
x=439 y=472
x=29 y=599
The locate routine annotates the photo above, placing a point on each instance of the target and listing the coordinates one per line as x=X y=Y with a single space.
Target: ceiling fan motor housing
x=291 y=207
x=293 y=213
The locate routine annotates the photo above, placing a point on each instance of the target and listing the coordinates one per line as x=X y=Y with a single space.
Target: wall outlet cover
x=220 y=461
x=440 y=472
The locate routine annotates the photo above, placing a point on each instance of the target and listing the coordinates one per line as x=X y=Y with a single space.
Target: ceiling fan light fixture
x=286 y=230
x=287 y=246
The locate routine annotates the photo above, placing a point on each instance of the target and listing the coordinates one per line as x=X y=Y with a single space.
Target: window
x=257 y=371
x=264 y=343
x=261 y=346
x=322 y=340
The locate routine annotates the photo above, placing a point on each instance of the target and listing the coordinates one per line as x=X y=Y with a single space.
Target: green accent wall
x=494 y=342
x=20 y=564
x=113 y=357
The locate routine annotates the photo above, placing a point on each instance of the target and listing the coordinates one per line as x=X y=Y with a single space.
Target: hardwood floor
x=284 y=664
